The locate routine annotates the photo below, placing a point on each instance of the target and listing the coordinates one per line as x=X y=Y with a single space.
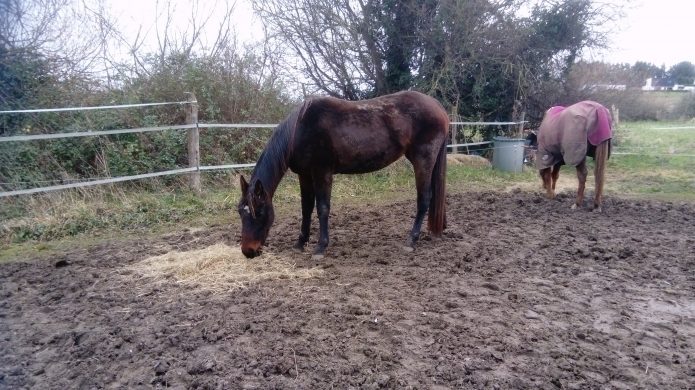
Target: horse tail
x=603 y=153
x=437 y=210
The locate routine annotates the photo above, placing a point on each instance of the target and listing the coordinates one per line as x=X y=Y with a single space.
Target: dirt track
x=521 y=293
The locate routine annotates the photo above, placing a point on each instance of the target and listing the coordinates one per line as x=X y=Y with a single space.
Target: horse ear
x=244 y=184
x=258 y=189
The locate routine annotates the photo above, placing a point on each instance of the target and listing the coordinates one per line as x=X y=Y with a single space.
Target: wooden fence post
x=615 y=115
x=454 y=129
x=521 y=124
x=193 y=142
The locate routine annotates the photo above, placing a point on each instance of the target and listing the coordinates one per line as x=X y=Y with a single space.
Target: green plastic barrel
x=508 y=154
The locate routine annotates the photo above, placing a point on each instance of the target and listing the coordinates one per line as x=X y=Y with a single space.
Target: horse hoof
x=317 y=257
x=298 y=247
x=574 y=206
x=597 y=209
x=408 y=248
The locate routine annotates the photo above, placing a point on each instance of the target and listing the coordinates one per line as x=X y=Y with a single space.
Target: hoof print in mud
x=61 y=263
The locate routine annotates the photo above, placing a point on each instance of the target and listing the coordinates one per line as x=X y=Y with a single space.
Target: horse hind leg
x=423 y=178
x=322 y=188
x=602 y=154
x=306 y=188
x=581 y=176
x=546 y=176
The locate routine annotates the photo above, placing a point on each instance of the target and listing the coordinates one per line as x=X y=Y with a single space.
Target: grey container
x=508 y=154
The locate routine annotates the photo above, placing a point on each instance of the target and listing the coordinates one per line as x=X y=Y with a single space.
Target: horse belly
x=366 y=155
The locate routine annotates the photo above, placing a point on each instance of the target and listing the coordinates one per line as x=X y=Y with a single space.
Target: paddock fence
x=192 y=127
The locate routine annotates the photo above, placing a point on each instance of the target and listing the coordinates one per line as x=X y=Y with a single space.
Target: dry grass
x=219 y=268
x=467 y=160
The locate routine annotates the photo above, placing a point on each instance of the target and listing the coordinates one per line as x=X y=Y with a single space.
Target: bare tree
x=206 y=29
x=484 y=54
x=335 y=43
x=60 y=30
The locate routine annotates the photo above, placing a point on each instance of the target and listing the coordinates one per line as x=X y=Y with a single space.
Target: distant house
x=666 y=84
x=604 y=87
x=690 y=88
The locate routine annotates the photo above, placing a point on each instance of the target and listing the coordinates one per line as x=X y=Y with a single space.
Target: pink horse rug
x=566 y=133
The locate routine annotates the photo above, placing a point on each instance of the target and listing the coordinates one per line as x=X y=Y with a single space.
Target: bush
x=685 y=108
x=230 y=90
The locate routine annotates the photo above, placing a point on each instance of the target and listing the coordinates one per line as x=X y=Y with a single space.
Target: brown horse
x=567 y=136
x=325 y=136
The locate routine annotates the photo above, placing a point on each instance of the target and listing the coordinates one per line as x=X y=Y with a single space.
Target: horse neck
x=270 y=169
x=274 y=160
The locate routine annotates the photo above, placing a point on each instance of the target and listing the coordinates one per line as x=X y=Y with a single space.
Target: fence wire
x=91 y=108
x=92 y=182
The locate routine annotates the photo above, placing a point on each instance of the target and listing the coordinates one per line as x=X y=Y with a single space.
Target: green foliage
x=398 y=19
x=24 y=77
x=505 y=64
x=228 y=91
x=685 y=108
x=647 y=70
x=683 y=73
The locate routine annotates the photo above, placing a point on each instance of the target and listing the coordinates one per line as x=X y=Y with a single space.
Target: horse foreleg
x=322 y=190
x=556 y=174
x=306 y=189
x=581 y=176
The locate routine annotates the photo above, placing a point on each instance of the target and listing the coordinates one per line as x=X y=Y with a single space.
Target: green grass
x=656 y=138
x=655 y=169
x=658 y=160
x=125 y=210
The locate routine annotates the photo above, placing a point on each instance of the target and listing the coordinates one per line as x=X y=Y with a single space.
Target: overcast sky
x=656 y=31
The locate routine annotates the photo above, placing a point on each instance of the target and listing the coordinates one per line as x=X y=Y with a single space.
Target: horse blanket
x=566 y=133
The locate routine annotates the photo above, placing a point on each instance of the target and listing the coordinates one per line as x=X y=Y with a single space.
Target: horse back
x=564 y=132
x=367 y=135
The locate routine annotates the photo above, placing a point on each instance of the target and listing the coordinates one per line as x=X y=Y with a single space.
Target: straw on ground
x=219 y=268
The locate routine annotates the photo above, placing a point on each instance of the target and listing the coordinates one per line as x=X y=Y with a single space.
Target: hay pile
x=468 y=160
x=219 y=268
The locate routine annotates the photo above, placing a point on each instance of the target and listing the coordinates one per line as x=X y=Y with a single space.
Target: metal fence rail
x=91 y=108
x=122 y=178
x=192 y=126
x=97 y=133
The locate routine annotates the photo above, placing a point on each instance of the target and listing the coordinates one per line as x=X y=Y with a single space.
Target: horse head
x=257 y=216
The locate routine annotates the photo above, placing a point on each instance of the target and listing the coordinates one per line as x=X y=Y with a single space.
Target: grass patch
x=653 y=159
x=655 y=138
x=657 y=166
x=61 y=214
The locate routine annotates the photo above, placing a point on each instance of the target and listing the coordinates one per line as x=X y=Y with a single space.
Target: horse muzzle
x=251 y=250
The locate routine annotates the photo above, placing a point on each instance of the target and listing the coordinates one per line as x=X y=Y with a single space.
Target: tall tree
x=400 y=19
x=337 y=44
x=683 y=72
x=478 y=55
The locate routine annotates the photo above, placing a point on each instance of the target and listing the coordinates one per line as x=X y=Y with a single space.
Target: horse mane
x=274 y=160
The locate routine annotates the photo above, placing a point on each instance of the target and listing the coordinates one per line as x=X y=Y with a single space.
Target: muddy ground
x=522 y=292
